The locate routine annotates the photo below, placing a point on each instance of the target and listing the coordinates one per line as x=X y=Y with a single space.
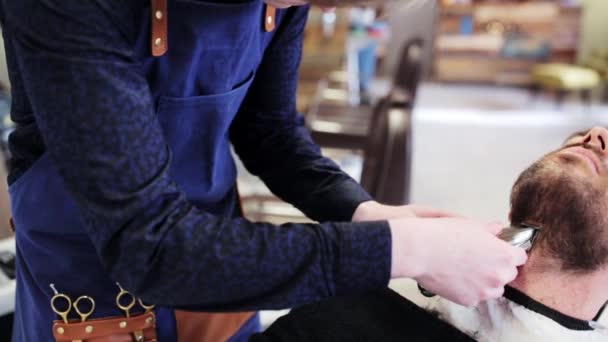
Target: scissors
x=126 y=305
x=125 y=301
x=84 y=314
x=63 y=313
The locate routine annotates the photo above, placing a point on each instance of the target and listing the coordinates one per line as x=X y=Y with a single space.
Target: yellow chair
x=598 y=61
x=565 y=78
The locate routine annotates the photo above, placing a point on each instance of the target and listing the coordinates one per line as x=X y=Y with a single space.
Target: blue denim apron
x=214 y=51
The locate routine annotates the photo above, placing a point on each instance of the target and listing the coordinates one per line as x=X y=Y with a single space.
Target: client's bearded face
x=566 y=193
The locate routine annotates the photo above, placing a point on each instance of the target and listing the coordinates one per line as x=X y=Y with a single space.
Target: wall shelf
x=500 y=42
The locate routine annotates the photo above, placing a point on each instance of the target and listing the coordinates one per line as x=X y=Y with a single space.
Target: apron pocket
x=27 y=174
x=196 y=130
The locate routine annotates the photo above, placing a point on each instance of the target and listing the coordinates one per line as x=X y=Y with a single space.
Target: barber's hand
x=374 y=211
x=459 y=259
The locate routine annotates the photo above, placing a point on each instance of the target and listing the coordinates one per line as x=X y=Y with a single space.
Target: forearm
x=274 y=144
x=282 y=266
x=294 y=169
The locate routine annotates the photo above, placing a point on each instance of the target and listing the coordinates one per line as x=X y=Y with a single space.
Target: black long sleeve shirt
x=80 y=96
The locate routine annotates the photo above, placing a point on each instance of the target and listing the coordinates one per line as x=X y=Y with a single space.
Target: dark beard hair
x=572 y=213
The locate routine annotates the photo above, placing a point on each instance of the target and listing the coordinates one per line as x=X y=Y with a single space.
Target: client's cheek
x=583 y=174
x=567 y=165
x=555 y=165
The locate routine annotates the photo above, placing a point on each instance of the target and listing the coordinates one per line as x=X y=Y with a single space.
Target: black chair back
x=388 y=155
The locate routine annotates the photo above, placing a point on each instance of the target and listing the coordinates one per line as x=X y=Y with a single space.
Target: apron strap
x=159 y=39
x=205 y=327
x=159 y=36
x=270 y=18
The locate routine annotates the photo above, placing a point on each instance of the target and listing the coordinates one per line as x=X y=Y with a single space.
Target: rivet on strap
x=270 y=18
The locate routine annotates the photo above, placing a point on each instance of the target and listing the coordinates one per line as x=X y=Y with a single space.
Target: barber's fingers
x=509 y=276
x=520 y=256
x=503 y=277
x=487 y=294
x=494 y=227
x=493 y=293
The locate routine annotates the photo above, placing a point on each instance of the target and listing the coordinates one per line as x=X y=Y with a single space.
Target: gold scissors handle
x=138 y=335
x=86 y=313
x=60 y=296
x=129 y=303
x=146 y=307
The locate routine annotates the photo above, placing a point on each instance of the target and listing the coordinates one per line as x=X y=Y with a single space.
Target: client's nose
x=597 y=137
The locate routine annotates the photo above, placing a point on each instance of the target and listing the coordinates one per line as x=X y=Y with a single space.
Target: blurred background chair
x=387 y=159
x=563 y=79
x=598 y=61
x=334 y=122
x=382 y=132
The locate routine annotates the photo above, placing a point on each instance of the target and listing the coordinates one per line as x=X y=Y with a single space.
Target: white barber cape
x=516 y=318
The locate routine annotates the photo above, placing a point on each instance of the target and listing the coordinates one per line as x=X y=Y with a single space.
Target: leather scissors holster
x=115 y=329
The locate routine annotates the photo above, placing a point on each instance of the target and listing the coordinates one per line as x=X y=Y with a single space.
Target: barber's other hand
x=459 y=259
x=374 y=211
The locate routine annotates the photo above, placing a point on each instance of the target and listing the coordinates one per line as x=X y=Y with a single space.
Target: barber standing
x=122 y=172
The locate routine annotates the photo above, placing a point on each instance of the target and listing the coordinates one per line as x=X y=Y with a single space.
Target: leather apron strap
x=159 y=36
x=209 y=327
x=270 y=18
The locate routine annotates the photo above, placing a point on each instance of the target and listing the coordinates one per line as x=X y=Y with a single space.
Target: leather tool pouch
x=141 y=328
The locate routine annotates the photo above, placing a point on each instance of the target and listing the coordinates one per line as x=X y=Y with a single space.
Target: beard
x=571 y=211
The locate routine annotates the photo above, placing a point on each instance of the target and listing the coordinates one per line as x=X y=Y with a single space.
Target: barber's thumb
x=521 y=256
x=494 y=227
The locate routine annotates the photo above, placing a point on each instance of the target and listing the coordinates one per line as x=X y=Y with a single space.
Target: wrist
x=366 y=211
x=408 y=248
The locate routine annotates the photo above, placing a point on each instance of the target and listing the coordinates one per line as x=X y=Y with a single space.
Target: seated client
x=559 y=294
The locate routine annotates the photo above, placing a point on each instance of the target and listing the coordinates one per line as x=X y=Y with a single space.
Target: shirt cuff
x=340 y=203
x=364 y=262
